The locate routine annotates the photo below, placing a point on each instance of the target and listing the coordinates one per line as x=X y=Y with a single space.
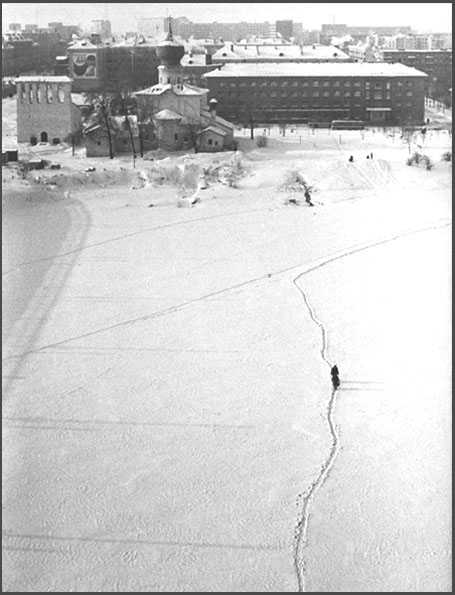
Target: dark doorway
x=44 y=137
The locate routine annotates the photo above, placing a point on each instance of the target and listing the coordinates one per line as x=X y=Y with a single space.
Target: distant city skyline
x=426 y=17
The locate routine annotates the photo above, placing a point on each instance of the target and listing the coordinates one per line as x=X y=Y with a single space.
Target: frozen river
x=166 y=395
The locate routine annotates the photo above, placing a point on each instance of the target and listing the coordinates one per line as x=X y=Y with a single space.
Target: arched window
x=38 y=93
x=44 y=137
x=49 y=94
x=61 y=94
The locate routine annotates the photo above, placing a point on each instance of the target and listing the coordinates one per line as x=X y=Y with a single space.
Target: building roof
x=84 y=44
x=79 y=99
x=117 y=123
x=308 y=69
x=177 y=89
x=206 y=118
x=193 y=60
x=167 y=114
x=43 y=79
x=278 y=51
x=139 y=41
x=213 y=129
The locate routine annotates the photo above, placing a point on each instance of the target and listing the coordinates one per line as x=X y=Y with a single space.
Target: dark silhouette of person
x=371 y=155
x=335 y=376
x=351 y=158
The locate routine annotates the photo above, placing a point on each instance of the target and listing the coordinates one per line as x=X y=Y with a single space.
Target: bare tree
x=145 y=113
x=114 y=99
x=194 y=131
x=102 y=103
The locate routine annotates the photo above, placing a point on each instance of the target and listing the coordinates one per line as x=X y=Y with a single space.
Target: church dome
x=170 y=52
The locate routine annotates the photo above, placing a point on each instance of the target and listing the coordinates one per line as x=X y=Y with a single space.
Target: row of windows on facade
x=233 y=115
x=284 y=94
x=37 y=93
x=427 y=59
x=294 y=95
x=284 y=84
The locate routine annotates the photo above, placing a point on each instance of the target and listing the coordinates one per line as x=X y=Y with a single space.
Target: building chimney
x=212 y=105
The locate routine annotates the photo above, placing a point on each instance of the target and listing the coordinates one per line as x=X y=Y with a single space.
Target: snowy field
x=168 y=418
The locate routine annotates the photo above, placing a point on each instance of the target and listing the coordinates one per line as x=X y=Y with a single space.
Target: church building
x=177 y=113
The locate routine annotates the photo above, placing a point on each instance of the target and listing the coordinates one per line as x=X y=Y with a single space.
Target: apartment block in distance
x=437 y=64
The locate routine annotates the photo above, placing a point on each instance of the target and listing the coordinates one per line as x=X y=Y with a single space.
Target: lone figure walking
x=335 y=377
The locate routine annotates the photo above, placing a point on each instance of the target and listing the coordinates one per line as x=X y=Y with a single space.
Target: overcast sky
x=123 y=16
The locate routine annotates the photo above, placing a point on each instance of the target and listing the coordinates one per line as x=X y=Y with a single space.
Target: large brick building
x=19 y=54
x=299 y=92
x=226 y=31
x=45 y=111
x=437 y=64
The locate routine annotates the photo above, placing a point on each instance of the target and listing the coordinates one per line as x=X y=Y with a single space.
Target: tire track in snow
x=302 y=522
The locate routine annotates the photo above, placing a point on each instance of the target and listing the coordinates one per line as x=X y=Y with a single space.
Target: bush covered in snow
x=417 y=158
x=447 y=156
x=262 y=141
x=428 y=163
x=294 y=182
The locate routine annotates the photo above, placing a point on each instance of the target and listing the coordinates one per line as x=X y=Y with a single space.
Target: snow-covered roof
x=177 y=89
x=84 y=44
x=116 y=123
x=167 y=114
x=139 y=41
x=213 y=129
x=189 y=90
x=206 y=118
x=43 y=79
x=255 y=51
x=155 y=90
x=308 y=69
x=193 y=60
x=224 y=122
x=79 y=99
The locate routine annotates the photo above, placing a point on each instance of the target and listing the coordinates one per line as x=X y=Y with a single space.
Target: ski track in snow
x=303 y=519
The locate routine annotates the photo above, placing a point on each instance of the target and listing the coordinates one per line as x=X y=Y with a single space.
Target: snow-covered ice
x=165 y=398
